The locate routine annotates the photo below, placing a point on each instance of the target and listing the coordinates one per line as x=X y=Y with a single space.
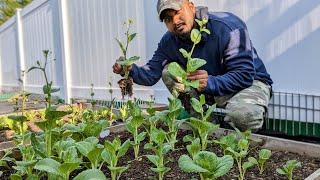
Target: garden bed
x=282 y=151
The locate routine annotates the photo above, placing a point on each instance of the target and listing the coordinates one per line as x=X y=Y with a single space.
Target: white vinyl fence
x=80 y=34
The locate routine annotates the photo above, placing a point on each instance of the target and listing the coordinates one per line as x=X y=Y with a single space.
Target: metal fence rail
x=294 y=114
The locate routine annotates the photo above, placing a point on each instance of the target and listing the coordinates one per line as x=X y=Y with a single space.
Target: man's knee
x=245 y=116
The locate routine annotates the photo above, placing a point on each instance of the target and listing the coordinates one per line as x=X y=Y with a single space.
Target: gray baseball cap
x=168 y=4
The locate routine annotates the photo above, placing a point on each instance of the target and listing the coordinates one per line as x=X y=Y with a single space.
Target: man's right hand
x=118 y=68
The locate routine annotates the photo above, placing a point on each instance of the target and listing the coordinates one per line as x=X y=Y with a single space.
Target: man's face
x=180 y=22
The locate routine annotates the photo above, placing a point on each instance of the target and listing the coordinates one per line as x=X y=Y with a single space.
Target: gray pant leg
x=246 y=109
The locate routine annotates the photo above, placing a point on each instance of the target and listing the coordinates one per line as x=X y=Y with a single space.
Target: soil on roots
x=126 y=86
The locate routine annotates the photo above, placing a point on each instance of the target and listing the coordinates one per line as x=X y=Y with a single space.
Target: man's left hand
x=202 y=76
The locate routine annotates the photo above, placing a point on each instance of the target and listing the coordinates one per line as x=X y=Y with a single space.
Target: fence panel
x=9 y=59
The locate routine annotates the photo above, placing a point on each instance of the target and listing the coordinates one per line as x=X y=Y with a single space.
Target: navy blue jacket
x=232 y=61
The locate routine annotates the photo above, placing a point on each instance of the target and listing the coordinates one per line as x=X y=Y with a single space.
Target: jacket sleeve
x=150 y=73
x=238 y=62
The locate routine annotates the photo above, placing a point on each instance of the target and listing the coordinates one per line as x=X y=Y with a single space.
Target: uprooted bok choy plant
x=192 y=63
x=126 y=83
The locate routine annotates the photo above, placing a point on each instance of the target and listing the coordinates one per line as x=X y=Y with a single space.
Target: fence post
x=65 y=48
x=21 y=66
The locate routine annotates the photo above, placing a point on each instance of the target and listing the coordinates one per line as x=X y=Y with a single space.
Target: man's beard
x=184 y=36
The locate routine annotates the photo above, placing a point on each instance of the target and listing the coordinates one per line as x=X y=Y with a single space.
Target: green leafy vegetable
x=264 y=155
x=192 y=63
x=207 y=164
x=133 y=124
x=160 y=148
x=111 y=154
x=288 y=168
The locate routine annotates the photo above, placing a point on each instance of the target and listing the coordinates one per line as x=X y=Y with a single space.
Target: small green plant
x=47 y=88
x=239 y=154
x=91 y=149
x=201 y=128
x=192 y=63
x=133 y=124
x=55 y=169
x=49 y=124
x=90 y=115
x=4 y=161
x=229 y=140
x=171 y=120
x=207 y=164
x=111 y=154
x=26 y=165
x=288 y=168
x=19 y=121
x=160 y=149
x=110 y=89
x=92 y=101
x=194 y=148
x=81 y=131
x=76 y=115
x=264 y=155
x=198 y=105
x=151 y=120
x=124 y=112
x=112 y=116
x=126 y=83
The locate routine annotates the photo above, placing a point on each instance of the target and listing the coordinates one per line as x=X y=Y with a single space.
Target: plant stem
x=113 y=175
x=48 y=142
x=260 y=169
x=161 y=164
x=201 y=177
x=161 y=176
x=47 y=84
x=239 y=168
x=136 y=144
x=194 y=45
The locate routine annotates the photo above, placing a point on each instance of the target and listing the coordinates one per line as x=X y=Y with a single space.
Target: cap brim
x=169 y=6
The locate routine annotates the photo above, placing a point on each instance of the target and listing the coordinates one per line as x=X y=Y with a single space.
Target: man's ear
x=192 y=7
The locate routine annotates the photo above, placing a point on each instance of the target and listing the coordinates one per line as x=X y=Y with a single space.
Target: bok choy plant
x=126 y=83
x=111 y=154
x=160 y=148
x=207 y=164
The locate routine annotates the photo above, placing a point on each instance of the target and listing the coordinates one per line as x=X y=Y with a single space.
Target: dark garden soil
x=141 y=169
